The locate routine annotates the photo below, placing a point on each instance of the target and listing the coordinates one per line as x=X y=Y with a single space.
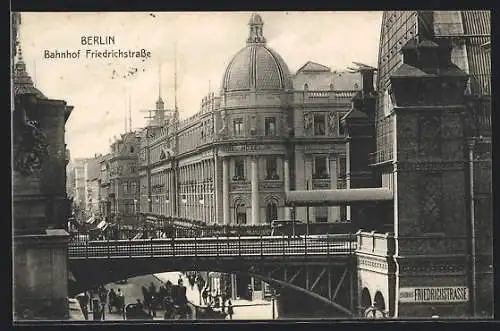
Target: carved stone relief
x=308 y=123
x=30 y=145
x=332 y=123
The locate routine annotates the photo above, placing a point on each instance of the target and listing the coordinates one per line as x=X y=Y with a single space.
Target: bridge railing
x=262 y=246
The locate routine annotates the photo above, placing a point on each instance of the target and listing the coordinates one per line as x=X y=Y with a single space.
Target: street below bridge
x=132 y=290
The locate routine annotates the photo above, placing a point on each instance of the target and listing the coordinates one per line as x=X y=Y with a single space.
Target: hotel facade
x=267 y=131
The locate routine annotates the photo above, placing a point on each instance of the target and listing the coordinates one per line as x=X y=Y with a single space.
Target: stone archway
x=271 y=211
x=366 y=299
x=379 y=301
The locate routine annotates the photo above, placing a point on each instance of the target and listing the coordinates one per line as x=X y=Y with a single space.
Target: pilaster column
x=333 y=212
x=225 y=190
x=309 y=186
x=255 y=191
x=286 y=175
x=202 y=197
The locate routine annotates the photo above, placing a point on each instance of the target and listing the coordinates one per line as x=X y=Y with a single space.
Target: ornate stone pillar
x=286 y=175
x=255 y=191
x=225 y=190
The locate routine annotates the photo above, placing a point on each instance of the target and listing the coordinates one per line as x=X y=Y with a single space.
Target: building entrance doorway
x=241 y=214
x=271 y=212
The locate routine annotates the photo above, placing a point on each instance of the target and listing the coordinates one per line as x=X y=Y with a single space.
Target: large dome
x=256 y=66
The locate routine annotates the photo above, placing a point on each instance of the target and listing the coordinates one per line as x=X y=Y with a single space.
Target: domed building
x=267 y=131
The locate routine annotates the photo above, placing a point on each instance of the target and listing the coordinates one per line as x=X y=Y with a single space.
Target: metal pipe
x=472 y=227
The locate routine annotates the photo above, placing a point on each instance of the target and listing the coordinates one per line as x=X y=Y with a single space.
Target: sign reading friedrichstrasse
x=433 y=294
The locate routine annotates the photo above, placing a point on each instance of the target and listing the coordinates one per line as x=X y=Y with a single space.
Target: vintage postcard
x=251 y=165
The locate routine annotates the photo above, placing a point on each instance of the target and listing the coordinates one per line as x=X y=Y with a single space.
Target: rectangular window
x=320 y=167
x=125 y=188
x=321 y=214
x=238 y=127
x=272 y=167
x=270 y=123
x=319 y=124
x=239 y=169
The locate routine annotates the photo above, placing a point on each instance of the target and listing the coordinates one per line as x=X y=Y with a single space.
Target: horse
x=117 y=302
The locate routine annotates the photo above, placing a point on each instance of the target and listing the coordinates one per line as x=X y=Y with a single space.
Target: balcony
x=320 y=183
x=271 y=184
x=240 y=185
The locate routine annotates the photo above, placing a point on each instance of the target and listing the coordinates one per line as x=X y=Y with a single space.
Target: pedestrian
x=204 y=295
x=85 y=305
x=96 y=309
x=230 y=310
x=223 y=304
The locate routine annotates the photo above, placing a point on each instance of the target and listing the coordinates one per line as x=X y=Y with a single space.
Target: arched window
x=331 y=86
x=131 y=149
x=241 y=213
x=306 y=87
x=271 y=212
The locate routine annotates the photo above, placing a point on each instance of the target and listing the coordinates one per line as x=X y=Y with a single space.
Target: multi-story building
x=92 y=170
x=266 y=132
x=78 y=168
x=104 y=189
x=123 y=194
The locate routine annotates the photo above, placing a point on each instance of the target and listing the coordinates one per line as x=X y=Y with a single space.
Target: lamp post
x=307 y=211
x=274 y=296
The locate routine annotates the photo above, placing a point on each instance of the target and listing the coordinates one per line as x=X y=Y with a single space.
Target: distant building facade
x=92 y=170
x=121 y=179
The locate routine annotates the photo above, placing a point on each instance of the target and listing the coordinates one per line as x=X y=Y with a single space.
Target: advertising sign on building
x=433 y=294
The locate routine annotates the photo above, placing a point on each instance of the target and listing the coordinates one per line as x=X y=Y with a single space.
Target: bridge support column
x=286 y=175
x=225 y=191
x=255 y=192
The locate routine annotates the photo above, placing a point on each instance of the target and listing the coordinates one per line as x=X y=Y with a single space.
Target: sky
x=202 y=44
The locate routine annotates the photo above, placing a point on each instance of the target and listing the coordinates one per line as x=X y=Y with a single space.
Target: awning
x=337 y=197
x=90 y=220
x=101 y=225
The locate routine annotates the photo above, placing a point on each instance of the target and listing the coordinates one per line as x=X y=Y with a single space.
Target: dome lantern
x=256 y=35
x=256 y=67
